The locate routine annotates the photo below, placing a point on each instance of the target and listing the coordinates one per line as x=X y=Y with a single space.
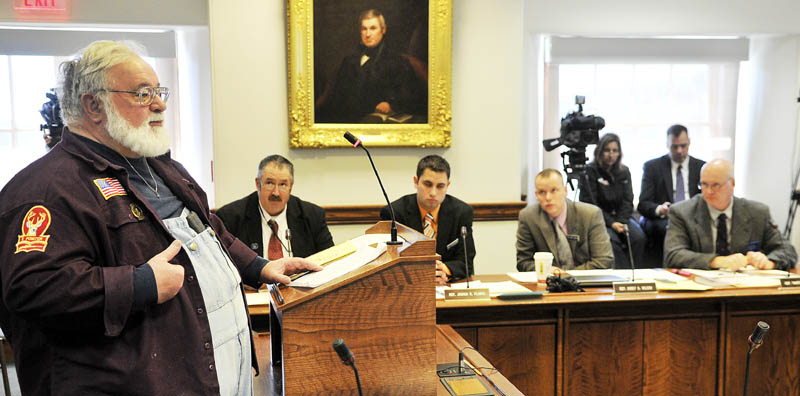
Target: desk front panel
x=662 y=344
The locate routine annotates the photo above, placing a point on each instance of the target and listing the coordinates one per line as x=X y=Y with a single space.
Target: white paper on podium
x=370 y=246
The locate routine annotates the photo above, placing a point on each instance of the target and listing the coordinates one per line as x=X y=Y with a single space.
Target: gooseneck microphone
x=347 y=358
x=466 y=257
x=356 y=143
x=755 y=340
x=630 y=251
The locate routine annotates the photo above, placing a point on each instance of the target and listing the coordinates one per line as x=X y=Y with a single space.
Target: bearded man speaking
x=116 y=279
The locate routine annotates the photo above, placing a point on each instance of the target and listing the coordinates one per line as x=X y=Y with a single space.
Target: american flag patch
x=109 y=187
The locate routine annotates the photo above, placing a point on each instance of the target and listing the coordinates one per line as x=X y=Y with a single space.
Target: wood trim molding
x=369 y=214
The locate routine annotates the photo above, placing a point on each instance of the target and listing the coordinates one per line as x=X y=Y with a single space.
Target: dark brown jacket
x=68 y=310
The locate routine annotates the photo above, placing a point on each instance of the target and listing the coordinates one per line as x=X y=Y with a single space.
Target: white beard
x=143 y=140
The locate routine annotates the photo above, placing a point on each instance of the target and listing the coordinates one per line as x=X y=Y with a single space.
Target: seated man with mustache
x=271 y=211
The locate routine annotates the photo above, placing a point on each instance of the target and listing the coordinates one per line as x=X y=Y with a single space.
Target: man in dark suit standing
x=666 y=180
x=438 y=215
x=716 y=230
x=271 y=210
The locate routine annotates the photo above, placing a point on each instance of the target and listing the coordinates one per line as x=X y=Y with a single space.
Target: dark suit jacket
x=591 y=247
x=689 y=244
x=453 y=214
x=307 y=221
x=657 y=184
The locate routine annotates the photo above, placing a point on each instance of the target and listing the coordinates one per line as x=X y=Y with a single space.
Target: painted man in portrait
x=374 y=84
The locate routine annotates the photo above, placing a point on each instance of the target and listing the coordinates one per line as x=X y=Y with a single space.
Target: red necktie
x=274 y=251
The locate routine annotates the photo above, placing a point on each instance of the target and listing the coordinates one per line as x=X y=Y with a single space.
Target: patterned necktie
x=680 y=192
x=427 y=228
x=722 y=236
x=564 y=251
x=274 y=250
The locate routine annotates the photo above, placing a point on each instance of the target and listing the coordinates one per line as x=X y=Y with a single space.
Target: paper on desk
x=332 y=253
x=683 y=285
x=365 y=254
x=260 y=298
x=524 y=277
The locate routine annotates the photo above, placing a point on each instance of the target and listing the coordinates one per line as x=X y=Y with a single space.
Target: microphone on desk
x=630 y=251
x=357 y=142
x=347 y=358
x=755 y=340
x=466 y=257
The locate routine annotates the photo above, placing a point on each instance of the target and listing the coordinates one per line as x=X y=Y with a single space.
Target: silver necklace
x=155 y=190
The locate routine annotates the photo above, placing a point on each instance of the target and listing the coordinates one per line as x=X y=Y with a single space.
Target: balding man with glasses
x=116 y=279
x=274 y=221
x=715 y=230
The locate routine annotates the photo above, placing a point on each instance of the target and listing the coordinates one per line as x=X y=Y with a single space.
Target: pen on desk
x=681 y=272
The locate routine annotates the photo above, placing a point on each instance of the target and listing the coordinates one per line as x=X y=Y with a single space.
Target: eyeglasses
x=147 y=94
x=270 y=186
x=712 y=187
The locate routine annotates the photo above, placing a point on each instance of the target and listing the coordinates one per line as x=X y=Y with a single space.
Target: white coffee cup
x=544 y=265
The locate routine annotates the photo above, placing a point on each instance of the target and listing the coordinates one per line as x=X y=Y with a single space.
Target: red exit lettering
x=40 y=3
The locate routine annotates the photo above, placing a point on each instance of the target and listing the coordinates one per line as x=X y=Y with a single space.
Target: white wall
x=250 y=119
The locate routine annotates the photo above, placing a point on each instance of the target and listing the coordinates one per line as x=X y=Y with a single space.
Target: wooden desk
x=448 y=343
x=596 y=343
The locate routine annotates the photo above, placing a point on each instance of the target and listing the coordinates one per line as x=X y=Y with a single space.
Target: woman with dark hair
x=607 y=184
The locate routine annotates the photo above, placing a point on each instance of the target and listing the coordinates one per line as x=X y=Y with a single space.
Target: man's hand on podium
x=276 y=271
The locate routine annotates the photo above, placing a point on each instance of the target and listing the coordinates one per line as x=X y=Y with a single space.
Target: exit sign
x=40 y=5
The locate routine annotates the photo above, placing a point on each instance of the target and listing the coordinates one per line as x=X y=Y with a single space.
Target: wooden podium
x=386 y=313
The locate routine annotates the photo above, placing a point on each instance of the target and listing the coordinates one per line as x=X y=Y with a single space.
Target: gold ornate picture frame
x=324 y=39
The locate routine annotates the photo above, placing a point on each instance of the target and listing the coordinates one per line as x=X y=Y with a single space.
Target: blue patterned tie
x=680 y=192
x=722 y=236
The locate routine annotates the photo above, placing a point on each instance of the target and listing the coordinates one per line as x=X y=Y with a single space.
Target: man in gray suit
x=573 y=231
x=716 y=230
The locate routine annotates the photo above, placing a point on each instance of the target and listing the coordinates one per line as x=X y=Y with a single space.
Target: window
x=24 y=81
x=639 y=101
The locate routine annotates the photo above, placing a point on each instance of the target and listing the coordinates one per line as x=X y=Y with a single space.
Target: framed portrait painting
x=377 y=68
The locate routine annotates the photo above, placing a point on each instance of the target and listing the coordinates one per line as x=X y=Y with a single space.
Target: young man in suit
x=666 y=180
x=266 y=214
x=717 y=230
x=438 y=215
x=574 y=232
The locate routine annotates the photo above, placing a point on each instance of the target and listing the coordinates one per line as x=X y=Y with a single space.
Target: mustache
x=156 y=117
x=274 y=198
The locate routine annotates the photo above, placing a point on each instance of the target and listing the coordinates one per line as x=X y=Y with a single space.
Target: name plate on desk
x=467 y=294
x=790 y=283
x=634 y=287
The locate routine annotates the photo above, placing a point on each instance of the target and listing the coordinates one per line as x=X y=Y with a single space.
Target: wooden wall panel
x=603 y=358
x=775 y=366
x=680 y=357
x=470 y=334
x=509 y=349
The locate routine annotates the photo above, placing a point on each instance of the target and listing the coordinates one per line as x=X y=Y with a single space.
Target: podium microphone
x=755 y=340
x=347 y=358
x=357 y=142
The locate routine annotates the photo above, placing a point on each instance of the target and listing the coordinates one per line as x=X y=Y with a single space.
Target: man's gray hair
x=279 y=161
x=373 y=13
x=88 y=73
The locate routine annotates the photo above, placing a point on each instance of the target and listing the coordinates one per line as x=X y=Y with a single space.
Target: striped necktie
x=427 y=228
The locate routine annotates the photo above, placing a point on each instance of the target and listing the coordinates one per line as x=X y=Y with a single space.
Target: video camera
x=54 y=125
x=577 y=132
